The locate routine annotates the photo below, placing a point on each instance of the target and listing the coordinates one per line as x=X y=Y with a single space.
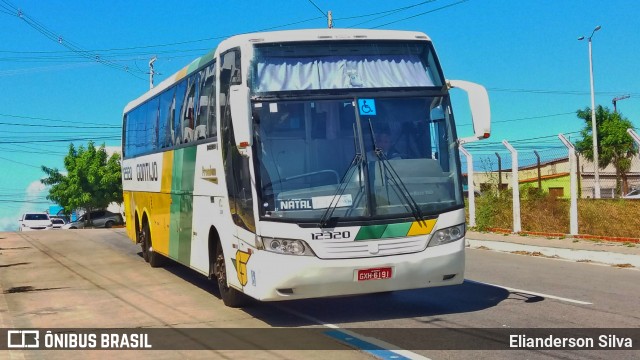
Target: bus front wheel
x=230 y=296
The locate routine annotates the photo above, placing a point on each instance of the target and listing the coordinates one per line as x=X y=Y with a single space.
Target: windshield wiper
x=356 y=162
x=395 y=178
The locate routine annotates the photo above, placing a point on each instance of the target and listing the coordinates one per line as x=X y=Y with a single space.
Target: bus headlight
x=447 y=235
x=284 y=246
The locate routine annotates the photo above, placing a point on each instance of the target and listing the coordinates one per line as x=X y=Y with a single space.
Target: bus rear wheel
x=153 y=258
x=230 y=296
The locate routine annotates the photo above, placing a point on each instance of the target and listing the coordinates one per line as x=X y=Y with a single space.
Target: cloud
x=9 y=224
x=35 y=188
x=35 y=192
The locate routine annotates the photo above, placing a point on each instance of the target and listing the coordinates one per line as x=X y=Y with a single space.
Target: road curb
x=621 y=239
x=578 y=255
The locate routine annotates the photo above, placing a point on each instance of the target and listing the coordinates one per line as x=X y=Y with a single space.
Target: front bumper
x=273 y=277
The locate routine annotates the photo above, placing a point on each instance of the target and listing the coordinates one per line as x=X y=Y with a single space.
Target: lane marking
x=360 y=342
x=531 y=293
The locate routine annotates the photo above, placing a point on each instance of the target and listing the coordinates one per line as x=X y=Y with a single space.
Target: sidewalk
x=612 y=253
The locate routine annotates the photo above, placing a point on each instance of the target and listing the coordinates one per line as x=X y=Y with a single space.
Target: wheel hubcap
x=220 y=271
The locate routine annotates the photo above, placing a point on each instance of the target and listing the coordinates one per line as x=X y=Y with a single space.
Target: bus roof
x=278 y=37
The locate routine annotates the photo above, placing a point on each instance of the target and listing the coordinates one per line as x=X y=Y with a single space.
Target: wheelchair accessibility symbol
x=367 y=107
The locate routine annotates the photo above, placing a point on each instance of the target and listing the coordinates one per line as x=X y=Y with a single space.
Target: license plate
x=374 y=274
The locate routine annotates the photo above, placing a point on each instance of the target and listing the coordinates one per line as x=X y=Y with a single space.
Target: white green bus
x=300 y=164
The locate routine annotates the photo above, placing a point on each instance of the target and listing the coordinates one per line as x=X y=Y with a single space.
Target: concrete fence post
x=634 y=135
x=515 y=184
x=573 y=166
x=471 y=190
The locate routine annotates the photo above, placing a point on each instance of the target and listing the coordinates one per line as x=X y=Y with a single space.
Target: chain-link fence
x=544 y=187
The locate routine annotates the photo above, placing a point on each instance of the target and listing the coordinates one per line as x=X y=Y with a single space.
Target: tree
x=615 y=145
x=93 y=179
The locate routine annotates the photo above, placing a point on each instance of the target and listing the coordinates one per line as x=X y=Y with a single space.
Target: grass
x=544 y=213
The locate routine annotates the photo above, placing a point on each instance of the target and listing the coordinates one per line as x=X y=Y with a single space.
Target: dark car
x=99 y=219
x=57 y=222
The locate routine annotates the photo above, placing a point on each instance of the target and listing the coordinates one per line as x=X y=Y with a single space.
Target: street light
x=594 y=131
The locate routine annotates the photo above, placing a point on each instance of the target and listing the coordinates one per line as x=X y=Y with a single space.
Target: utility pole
x=616 y=99
x=499 y=172
x=539 y=171
x=330 y=19
x=594 y=127
x=151 y=71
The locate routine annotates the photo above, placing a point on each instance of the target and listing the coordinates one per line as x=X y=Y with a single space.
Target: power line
x=525 y=118
x=316 y=6
x=60 y=126
x=423 y=13
x=59 y=140
x=52 y=120
x=27 y=201
x=18 y=162
x=386 y=13
x=33 y=23
x=46 y=153
x=481 y=144
x=560 y=92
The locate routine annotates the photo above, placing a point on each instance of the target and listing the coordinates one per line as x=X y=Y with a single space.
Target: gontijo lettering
x=147 y=171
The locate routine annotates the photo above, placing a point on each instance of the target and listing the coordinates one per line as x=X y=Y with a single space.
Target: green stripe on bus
x=374 y=232
x=182 y=184
x=206 y=58
x=193 y=66
x=396 y=230
x=370 y=232
x=188 y=168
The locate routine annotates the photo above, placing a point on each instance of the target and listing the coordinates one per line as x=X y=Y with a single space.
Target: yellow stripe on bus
x=422 y=228
x=167 y=167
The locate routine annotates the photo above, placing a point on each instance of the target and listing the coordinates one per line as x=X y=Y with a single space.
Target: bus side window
x=176 y=125
x=125 y=135
x=167 y=109
x=151 y=125
x=206 y=121
x=212 y=121
x=138 y=130
x=187 y=119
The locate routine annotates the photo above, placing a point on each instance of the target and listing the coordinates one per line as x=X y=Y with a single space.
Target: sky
x=69 y=67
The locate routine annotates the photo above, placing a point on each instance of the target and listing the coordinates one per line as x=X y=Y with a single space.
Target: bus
x=302 y=164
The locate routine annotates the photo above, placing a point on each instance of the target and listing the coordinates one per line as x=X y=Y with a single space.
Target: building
x=553 y=176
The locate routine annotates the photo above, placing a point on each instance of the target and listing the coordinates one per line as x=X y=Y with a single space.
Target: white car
x=35 y=221
x=635 y=194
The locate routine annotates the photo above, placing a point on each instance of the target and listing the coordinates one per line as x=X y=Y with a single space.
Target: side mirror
x=241 y=115
x=480 y=109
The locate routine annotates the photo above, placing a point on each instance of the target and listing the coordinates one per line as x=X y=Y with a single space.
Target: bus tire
x=153 y=258
x=230 y=296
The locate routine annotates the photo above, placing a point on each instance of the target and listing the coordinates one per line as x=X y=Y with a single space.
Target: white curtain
x=289 y=74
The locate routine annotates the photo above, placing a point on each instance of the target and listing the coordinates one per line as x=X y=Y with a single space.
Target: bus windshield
x=354 y=158
x=344 y=65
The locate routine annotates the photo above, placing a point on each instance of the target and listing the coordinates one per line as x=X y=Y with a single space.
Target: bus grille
x=346 y=249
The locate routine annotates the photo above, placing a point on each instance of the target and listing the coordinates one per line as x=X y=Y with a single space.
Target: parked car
x=635 y=194
x=35 y=221
x=57 y=222
x=99 y=218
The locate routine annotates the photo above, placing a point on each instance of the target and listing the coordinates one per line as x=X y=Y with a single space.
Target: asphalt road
x=97 y=279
